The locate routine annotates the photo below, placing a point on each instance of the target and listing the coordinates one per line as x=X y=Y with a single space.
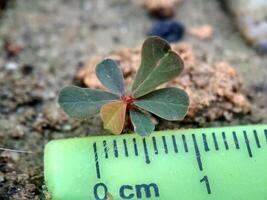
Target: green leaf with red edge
x=83 y=102
x=159 y=64
x=113 y=116
x=142 y=123
x=167 y=103
x=110 y=76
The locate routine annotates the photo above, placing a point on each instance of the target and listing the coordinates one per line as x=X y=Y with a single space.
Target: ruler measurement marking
x=256 y=138
x=225 y=141
x=115 y=148
x=205 y=142
x=185 y=143
x=215 y=141
x=135 y=147
x=198 y=155
x=175 y=148
x=206 y=180
x=248 y=139
x=247 y=143
x=155 y=146
x=165 y=146
x=105 y=148
x=146 y=151
x=125 y=147
x=235 y=140
x=96 y=161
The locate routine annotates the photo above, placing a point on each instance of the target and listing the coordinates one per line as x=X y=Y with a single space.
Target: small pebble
x=27 y=69
x=171 y=31
x=66 y=127
x=261 y=48
x=2 y=177
x=11 y=66
x=12 y=48
x=17 y=132
x=14 y=156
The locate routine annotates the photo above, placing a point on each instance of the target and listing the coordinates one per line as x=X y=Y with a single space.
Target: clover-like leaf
x=113 y=116
x=167 y=68
x=110 y=76
x=167 y=103
x=141 y=122
x=83 y=102
x=159 y=64
x=153 y=49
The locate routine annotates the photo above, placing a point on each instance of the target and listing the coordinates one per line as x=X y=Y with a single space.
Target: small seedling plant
x=159 y=64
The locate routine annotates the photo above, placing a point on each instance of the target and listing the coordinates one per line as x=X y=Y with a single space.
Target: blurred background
x=45 y=45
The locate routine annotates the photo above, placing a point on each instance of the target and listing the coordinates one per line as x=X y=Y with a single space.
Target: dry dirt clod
x=52 y=117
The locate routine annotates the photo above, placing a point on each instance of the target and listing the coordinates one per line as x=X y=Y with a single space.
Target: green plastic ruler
x=228 y=163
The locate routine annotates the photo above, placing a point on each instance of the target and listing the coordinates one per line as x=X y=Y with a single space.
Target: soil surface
x=44 y=44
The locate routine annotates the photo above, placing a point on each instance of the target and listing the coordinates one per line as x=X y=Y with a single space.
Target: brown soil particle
x=11 y=48
x=202 y=32
x=215 y=90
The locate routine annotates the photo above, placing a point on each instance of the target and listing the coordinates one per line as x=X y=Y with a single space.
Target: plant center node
x=128 y=99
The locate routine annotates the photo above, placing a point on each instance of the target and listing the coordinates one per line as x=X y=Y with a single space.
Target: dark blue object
x=261 y=47
x=171 y=31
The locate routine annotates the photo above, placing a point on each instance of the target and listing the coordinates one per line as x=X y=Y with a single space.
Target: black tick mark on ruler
x=225 y=141
x=125 y=147
x=115 y=148
x=155 y=146
x=175 y=148
x=146 y=151
x=247 y=143
x=256 y=138
x=105 y=148
x=135 y=147
x=165 y=144
x=96 y=161
x=215 y=142
x=198 y=156
x=235 y=140
x=205 y=142
x=185 y=143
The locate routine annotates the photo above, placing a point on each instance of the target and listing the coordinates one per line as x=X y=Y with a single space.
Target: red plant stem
x=128 y=99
